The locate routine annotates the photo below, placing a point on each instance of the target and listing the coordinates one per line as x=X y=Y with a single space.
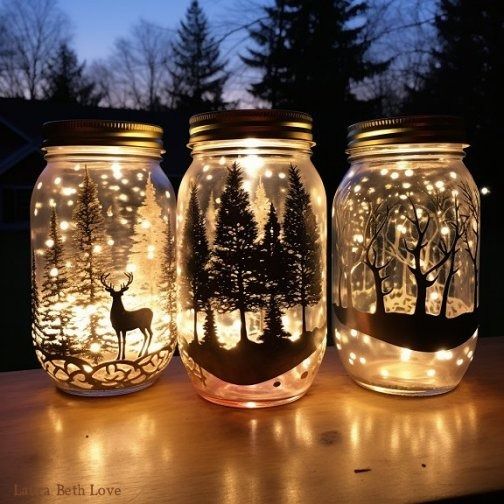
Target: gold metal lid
x=406 y=129
x=250 y=123
x=102 y=132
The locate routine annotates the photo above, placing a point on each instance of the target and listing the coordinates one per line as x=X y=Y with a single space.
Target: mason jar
x=406 y=256
x=103 y=257
x=251 y=266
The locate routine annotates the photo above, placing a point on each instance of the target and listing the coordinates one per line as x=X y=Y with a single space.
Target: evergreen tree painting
x=234 y=261
x=56 y=312
x=168 y=278
x=88 y=239
x=302 y=242
x=198 y=72
x=35 y=308
x=197 y=255
x=272 y=272
x=149 y=233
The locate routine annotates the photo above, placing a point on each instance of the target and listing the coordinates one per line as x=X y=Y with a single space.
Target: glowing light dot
x=460 y=362
x=453 y=175
x=64 y=225
x=406 y=185
x=362 y=360
x=97 y=249
x=39 y=185
x=338 y=346
x=35 y=212
x=140 y=176
x=217 y=200
x=388 y=186
x=52 y=203
x=124 y=181
x=70 y=202
x=445 y=230
x=402 y=196
x=116 y=171
x=384 y=373
x=401 y=228
x=394 y=175
x=470 y=354
x=110 y=242
x=151 y=248
x=408 y=173
x=353 y=356
x=57 y=180
x=431 y=372
x=206 y=168
x=366 y=339
x=222 y=160
x=405 y=354
x=434 y=296
x=358 y=238
x=68 y=191
x=54 y=272
x=209 y=177
x=357 y=188
x=281 y=175
x=49 y=243
x=371 y=190
x=104 y=176
x=123 y=197
x=350 y=361
x=439 y=184
x=485 y=191
x=268 y=173
x=95 y=347
x=354 y=334
x=167 y=194
x=146 y=224
x=444 y=355
x=383 y=171
x=430 y=187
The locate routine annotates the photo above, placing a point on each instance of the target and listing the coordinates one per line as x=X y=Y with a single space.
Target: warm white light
x=439 y=184
x=252 y=163
x=383 y=171
x=268 y=173
x=453 y=175
x=460 y=362
x=444 y=355
x=352 y=356
x=95 y=347
x=146 y=224
x=97 y=249
x=394 y=175
x=384 y=373
x=49 y=243
x=57 y=180
x=362 y=360
x=485 y=191
x=408 y=173
x=431 y=373
x=39 y=185
x=130 y=268
x=405 y=354
x=358 y=238
x=64 y=225
x=434 y=296
x=281 y=175
x=445 y=230
x=353 y=333
x=54 y=272
x=110 y=242
x=357 y=188
x=116 y=170
x=406 y=185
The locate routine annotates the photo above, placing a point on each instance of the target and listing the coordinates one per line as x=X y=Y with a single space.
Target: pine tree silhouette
x=301 y=239
x=66 y=81
x=272 y=274
x=235 y=260
x=197 y=255
x=168 y=278
x=210 y=328
x=36 y=315
x=197 y=72
x=89 y=244
x=56 y=312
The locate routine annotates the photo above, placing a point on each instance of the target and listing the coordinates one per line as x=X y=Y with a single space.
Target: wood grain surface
x=340 y=443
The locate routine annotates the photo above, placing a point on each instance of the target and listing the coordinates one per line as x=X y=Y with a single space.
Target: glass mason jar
x=103 y=257
x=251 y=258
x=406 y=256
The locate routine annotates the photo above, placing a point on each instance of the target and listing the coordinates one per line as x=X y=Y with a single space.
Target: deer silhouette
x=125 y=320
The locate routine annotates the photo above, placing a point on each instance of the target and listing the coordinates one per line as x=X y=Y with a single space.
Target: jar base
x=248 y=404
x=106 y=393
x=426 y=392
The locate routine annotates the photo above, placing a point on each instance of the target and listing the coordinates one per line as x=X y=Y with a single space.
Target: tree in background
x=262 y=208
x=65 y=81
x=234 y=259
x=310 y=53
x=32 y=31
x=169 y=278
x=35 y=307
x=302 y=243
x=466 y=75
x=197 y=70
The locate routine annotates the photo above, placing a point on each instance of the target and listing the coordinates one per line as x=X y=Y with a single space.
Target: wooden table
x=165 y=444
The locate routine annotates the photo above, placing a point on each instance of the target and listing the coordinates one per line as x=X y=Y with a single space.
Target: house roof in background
x=25 y=118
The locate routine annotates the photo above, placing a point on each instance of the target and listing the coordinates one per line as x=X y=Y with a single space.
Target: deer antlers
x=110 y=288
